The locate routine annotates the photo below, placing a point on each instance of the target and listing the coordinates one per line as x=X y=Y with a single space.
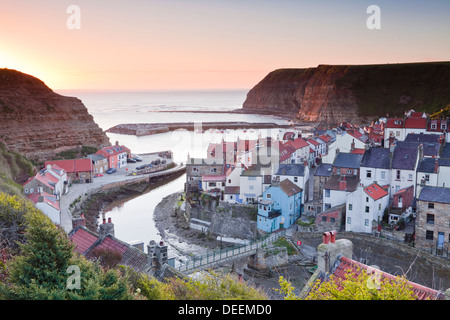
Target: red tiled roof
x=358 y=151
x=416 y=123
x=74 y=165
x=83 y=239
x=285 y=151
x=214 y=177
x=394 y=123
x=325 y=137
x=313 y=142
x=421 y=292
x=375 y=191
x=298 y=143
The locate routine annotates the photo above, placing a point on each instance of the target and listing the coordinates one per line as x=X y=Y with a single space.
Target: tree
x=355 y=285
x=43 y=269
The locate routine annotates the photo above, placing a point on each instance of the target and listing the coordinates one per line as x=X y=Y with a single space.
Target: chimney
x=106 y=228
x=331 y=250
x=78 y=222
x=436 y=165
x=352 y=146
x=343 y=184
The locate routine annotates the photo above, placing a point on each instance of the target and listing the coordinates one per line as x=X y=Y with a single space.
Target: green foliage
x=75 y=153
x=14 y=170
x=283 y=242
x=356 y=285
x=41 y=271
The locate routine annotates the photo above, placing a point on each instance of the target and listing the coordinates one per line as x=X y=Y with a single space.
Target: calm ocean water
x=133 y=219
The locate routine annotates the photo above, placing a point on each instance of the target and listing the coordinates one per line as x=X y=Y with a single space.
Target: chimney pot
x=326 y=237
x=104 y=220
x=109 y=220
x=333 y=236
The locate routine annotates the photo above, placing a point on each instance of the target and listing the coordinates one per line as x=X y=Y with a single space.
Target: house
x=335 y=258
x=296 y=173
x=90 y=244
x=321 y=175
x=402 y=204
x=78 y=170
x=52 y=180
x=432 y=221
x=393 y=130
x=287 y=153
x=48 y=204
x=336 y=189
x=403 y=167
x=198 y=167
x=347 y=164
x=376 y=166
x=431 y=143
x=99 y=163
x=399 y=128
x=345 y=142
x=365 y=208
x=232 y=184
x=213 y=182
x=439 y=127
x=331 y=219
x=251 y=182
x=279 y=207
x=300 y=152
x=116 y=155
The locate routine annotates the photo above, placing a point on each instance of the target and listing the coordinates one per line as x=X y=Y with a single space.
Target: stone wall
x=441 y=223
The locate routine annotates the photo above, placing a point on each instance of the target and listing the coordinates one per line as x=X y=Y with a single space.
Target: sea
x=133 y=218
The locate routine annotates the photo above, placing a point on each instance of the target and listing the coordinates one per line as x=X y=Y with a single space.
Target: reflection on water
x=133 y=218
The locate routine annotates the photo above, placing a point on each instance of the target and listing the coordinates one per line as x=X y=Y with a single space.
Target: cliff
x=37 y=122
x=335 y=93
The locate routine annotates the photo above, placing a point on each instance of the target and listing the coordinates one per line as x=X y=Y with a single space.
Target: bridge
x=219 y=256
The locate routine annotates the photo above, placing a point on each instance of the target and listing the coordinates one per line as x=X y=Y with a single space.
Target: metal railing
x=218 y=256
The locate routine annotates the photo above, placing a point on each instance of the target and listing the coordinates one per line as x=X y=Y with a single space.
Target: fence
x=219 y=256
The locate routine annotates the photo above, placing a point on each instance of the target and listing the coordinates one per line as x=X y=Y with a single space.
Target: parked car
x=111 y=170
x=140 y=167
x=131 y=160
x=137 y=158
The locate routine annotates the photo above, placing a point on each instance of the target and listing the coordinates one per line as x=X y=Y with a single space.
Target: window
x=212 y=184
x=379 y=206
x=429 y=235
x=397 y=133
x=397 y=177
x=213 y=170
x=349 y=220
x=332 y=220
x=430 y=205
x=366 y=222
x=251 y=187
x=427 y=178
x=367 y=199
x=327 y=193
x=410 y=177
x=433 y=126
x=295 y=179
x=268 y=195
x=349 y=171
x=430 y=218
x=350 y=207
x=383 y=175
x=443 y=126
x=324 y=219
x=369 y=174
x=252 y=178
x=367 y=209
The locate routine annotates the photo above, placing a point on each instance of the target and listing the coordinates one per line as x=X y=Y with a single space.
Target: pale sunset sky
x=210 y=44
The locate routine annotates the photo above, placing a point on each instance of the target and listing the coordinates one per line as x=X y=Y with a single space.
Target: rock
x=332 y=94
x=37 y=122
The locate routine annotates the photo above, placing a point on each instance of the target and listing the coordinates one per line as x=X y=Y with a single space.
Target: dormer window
x=443 y=126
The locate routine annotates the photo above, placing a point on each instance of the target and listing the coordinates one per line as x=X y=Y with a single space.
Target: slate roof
x=333 y=183
x=404 y=158
x=291 y=170
x=289 y=187
x=430 y=149
x=376 y=158
x=435 y=194
x=324 y=170
x=446 y=151
x=428 y=164
x=348 y=160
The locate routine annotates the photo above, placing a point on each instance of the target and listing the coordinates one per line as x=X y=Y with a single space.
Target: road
x=81 y=189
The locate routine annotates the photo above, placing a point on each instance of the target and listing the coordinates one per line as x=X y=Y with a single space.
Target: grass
x=14 y=170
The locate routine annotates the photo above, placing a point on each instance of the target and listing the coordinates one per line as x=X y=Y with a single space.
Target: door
x=440 y=240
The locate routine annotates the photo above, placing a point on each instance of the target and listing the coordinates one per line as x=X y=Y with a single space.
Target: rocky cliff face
x=38 y=122
x=332 y=94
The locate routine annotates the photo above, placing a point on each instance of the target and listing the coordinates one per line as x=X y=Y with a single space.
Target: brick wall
x=441 y=223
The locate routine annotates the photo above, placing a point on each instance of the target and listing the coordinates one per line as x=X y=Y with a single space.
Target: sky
x=210 y=44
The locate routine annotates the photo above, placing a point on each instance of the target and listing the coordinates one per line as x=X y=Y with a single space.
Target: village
x=390 y=176
x=388 y=180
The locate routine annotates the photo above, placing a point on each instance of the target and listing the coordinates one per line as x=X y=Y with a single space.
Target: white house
x=251 y=182
x=365 y=208
x=345 y=142
x=403 y=167
x=232 y=184
x=376 y=167
x=336 y=189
